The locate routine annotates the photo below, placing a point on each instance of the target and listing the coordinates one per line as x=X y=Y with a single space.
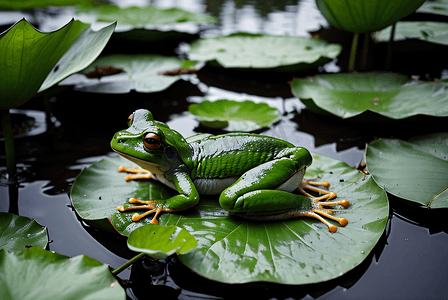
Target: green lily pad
x=416 y=170
x=16 y=232
x=366 y=16
x=29 y=57
x=140 y=72
x=391 y=95
x=39 y=274
x=434 y=32
x=438 y=7
x=160 y=241
x=236 y=250
x=142 y=17
x=100 y=189
x=235 y=116
x=264 y=52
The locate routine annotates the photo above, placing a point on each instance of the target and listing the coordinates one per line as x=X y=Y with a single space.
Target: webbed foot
x=150 y=205
x=140 y=173
x=317 y=210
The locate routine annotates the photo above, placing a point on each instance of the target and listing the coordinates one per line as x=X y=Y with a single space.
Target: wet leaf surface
x=160 y=241
x=234 y=250
x=234 y=115
x=416 y=170
x=17 y=233
x=36 y=273
x=142 y=73
x=261 y=52
x=392 y=95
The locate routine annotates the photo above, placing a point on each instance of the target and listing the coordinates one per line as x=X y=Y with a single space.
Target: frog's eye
x=130 y=119
x=151 y=141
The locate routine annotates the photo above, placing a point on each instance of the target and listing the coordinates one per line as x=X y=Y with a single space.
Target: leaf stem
x=5 y=117
x=128 y=263
x=389 y=48
x=365 y=51
x=352 y=60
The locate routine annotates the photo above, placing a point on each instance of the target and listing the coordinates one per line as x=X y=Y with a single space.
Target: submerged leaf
x=392 y=95
x=234 y=116
x=160 y=241
x=39 y=274
x=144 y=73
x=256 y=51
x=17 y=233
x=438 y=7
x=28 y=56
x=416 y=170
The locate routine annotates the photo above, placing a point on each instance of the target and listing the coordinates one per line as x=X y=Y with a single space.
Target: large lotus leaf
x=142 y=17
x=439 y=7
x=39 y=274
x=16 y=232
x=366 y=16
x=160 y=241
x=235 y=116
x=300 y=251
x=100 y=189
x=416 y=170
x=232 y=249
x=141 y=72
x=256 y=51
x=392 y=95
x=434 y=32
x=28 y=56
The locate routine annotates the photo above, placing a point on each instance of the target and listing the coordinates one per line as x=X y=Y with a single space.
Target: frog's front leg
x=260 y=194
x=188 y=197
x=136 y=173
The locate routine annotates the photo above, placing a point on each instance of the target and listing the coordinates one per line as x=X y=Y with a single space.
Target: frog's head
x=150 y=143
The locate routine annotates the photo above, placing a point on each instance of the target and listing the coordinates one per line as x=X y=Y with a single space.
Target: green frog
x=255 y=176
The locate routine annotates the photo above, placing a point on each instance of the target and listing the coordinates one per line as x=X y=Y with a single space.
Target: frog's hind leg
x=136 y=173
x=317 y=210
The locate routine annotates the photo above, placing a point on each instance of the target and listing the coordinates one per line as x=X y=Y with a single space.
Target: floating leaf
x=439 y=7
x=100 y=189
x=416 y=170
x=160 y=241
x=16 y=232
x=28 y=56
x=141 y=72
x=434 y=32
x=232 y=249
x=39 y=274
x=366 y=16
x=391 y=95
x=256 y=51
x=143 y=17
x=235 y=116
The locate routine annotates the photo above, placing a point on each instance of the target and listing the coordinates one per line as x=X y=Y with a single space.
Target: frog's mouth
x=154 y=168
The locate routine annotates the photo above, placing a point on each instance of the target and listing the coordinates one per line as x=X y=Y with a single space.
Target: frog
x=257 y=177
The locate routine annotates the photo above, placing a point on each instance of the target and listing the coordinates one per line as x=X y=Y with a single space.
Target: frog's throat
x=157 y=171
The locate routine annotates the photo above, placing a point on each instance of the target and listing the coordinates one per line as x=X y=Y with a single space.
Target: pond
x=410 y=261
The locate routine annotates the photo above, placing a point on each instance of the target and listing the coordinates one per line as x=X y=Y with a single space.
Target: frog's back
x=231 y=155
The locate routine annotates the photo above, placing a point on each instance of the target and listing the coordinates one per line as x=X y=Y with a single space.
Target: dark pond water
x=409 y=262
